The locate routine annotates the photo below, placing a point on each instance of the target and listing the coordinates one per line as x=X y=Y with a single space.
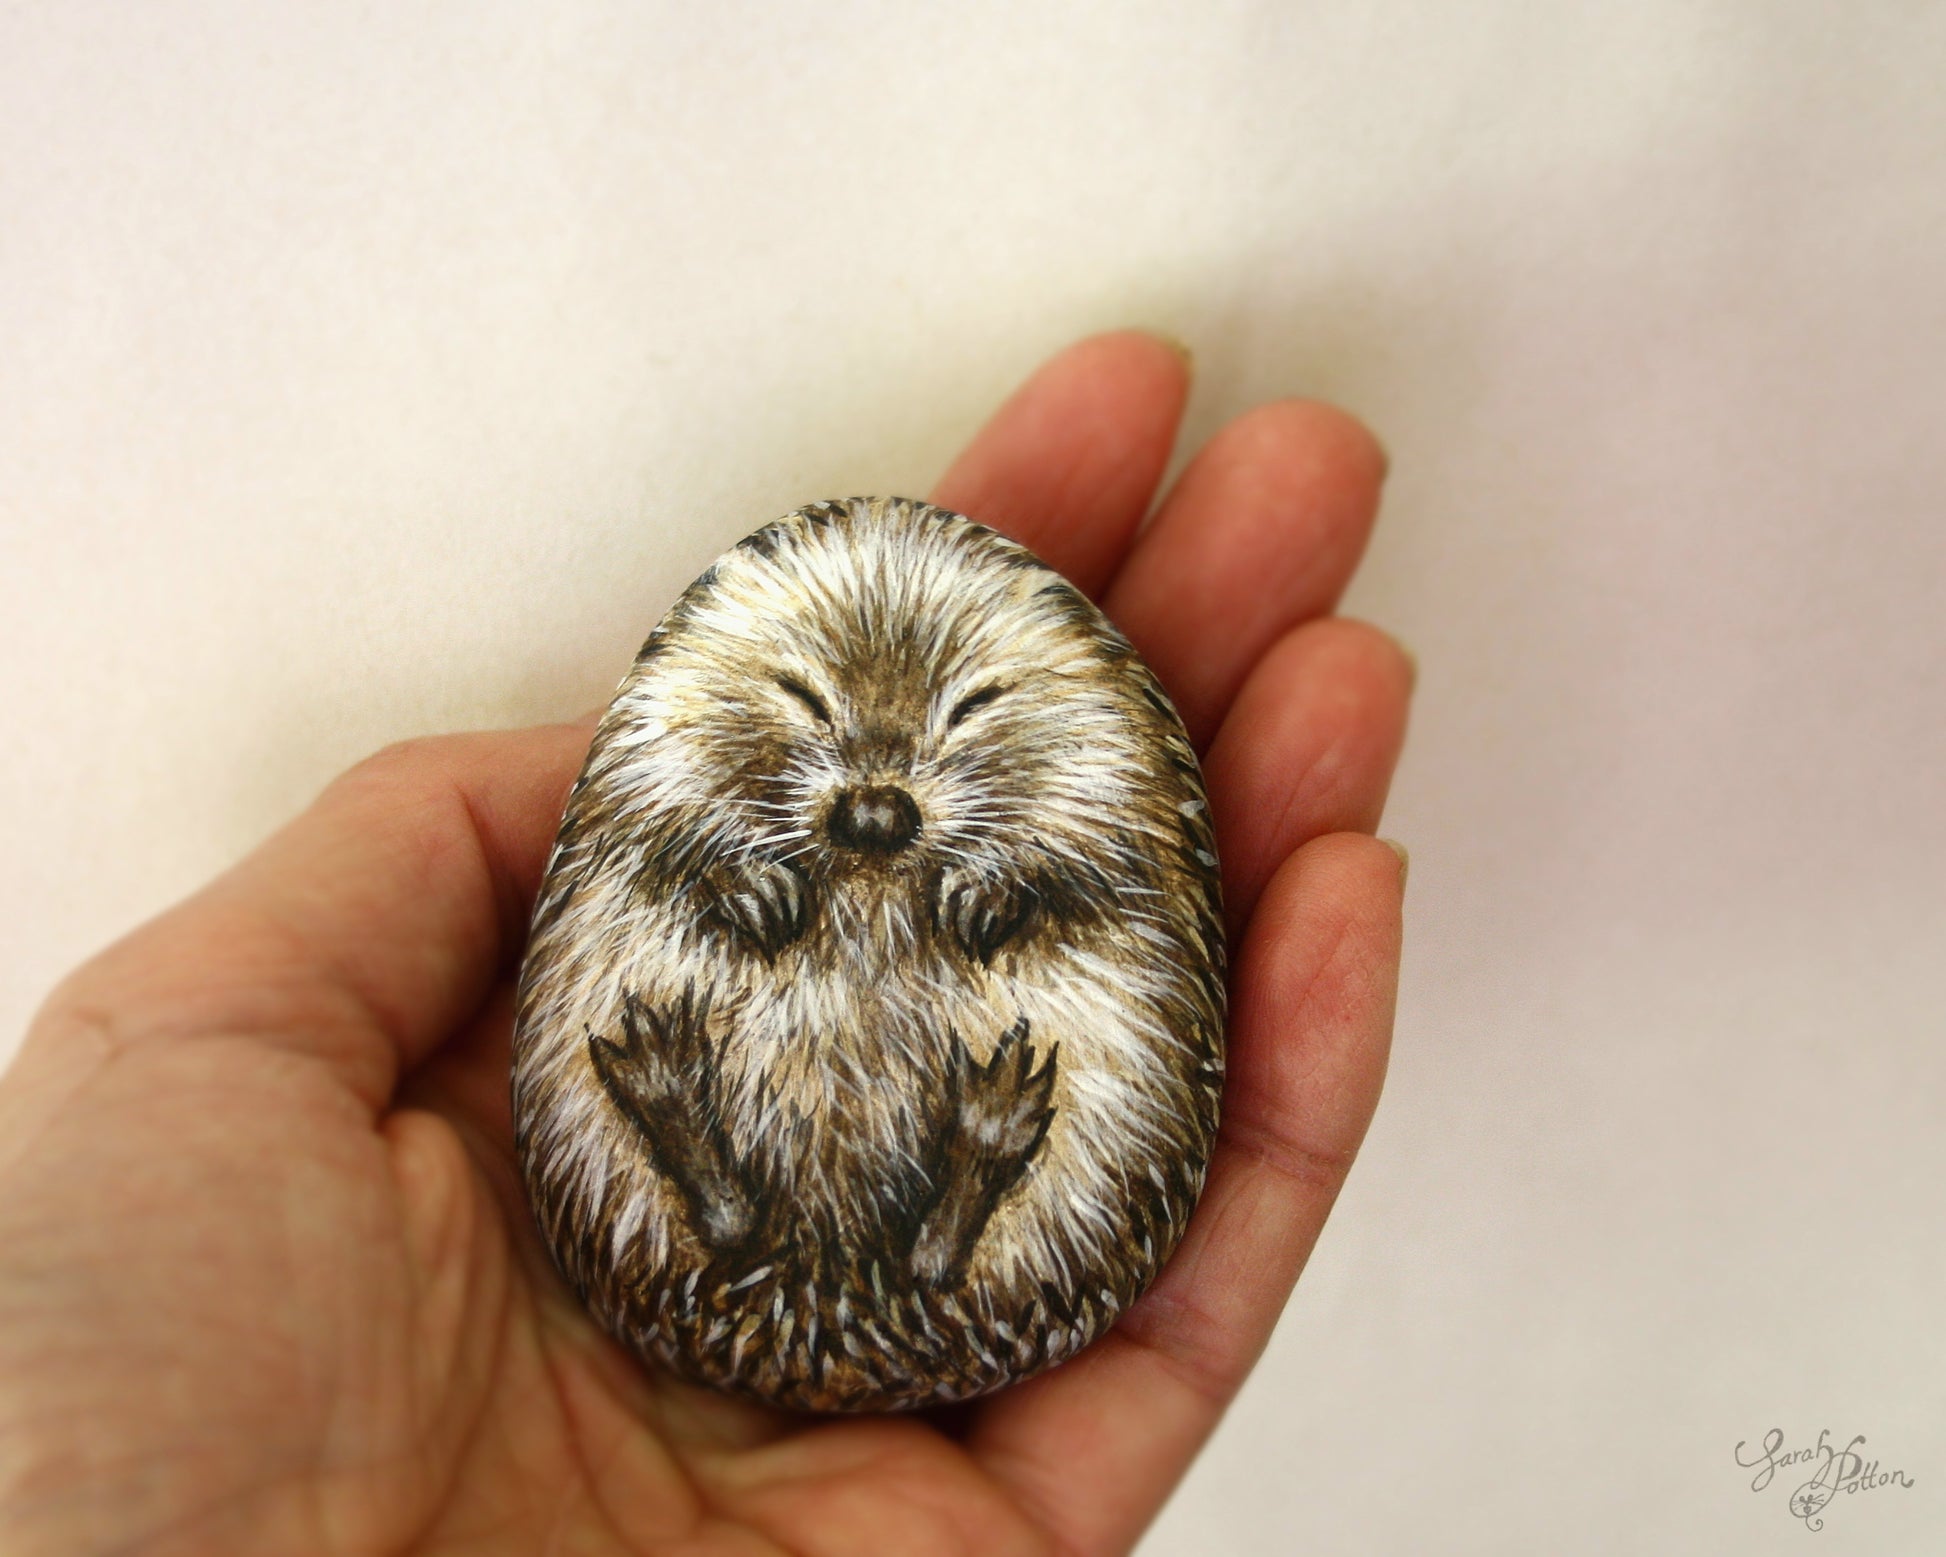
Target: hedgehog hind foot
x=660 y=1074
x=996 y=1118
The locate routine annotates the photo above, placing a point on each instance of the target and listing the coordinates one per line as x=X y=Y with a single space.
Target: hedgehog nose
x=880 y=818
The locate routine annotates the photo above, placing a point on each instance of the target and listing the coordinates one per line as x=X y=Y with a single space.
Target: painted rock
x=870 y=1036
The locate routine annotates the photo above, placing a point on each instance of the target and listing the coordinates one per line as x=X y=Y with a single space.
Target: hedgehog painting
x=870 y=1037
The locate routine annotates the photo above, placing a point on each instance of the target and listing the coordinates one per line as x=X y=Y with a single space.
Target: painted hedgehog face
x=911 y=706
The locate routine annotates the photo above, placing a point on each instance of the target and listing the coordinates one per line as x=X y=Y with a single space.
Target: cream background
x=367 y=371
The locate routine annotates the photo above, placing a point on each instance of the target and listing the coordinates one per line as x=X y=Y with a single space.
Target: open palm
x=267 y=1283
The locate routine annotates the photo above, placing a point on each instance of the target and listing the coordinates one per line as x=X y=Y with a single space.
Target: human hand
x=268 y=1283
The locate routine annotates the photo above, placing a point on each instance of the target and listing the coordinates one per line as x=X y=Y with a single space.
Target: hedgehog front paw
x=980 y=910
x=998 y=1115
x=766 y=902
x=659 y=1074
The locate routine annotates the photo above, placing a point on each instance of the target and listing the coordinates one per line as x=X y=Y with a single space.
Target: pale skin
x=267 y=1280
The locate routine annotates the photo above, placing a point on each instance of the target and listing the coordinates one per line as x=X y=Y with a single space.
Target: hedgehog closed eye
x=972 y=703
x=807 y=697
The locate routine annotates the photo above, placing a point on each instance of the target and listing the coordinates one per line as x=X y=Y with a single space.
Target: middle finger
x=1262 y=532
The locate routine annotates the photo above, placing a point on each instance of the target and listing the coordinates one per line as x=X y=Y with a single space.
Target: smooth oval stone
x=870 y=1036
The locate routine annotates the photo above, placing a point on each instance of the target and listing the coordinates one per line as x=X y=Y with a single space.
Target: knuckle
x=420 y=767
x=410 y=758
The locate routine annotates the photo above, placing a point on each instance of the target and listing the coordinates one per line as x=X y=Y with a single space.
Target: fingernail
x=1174 y=344
x=1405 y=859
x=1411 y=666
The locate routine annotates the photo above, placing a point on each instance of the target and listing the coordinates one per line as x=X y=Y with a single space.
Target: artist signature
x=1833 y=1470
